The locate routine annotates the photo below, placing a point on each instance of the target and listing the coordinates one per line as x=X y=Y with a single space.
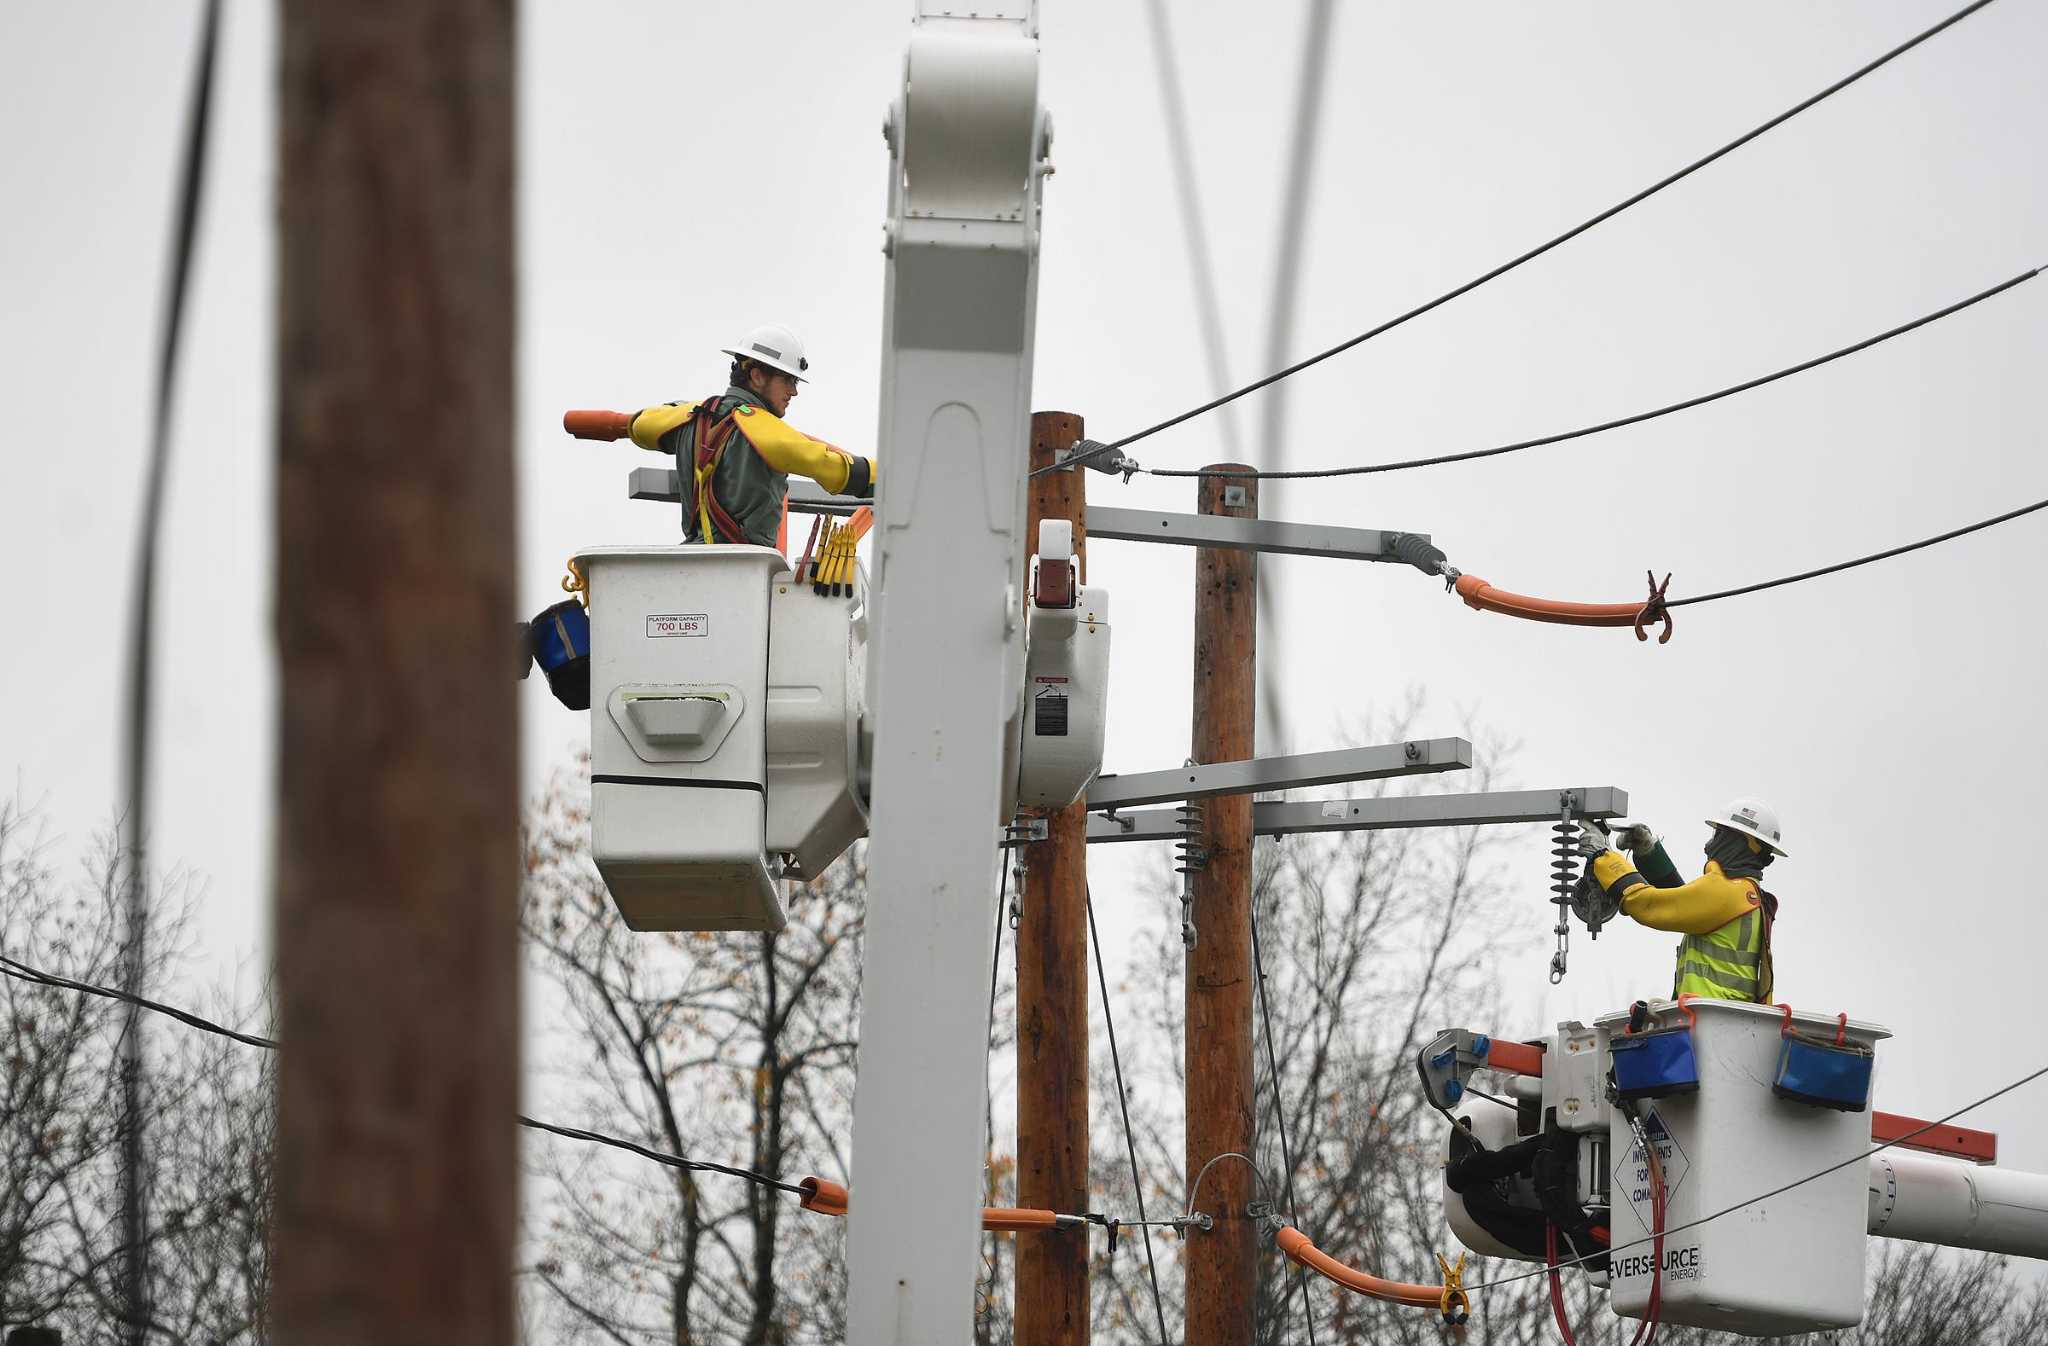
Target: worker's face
x=775 y=388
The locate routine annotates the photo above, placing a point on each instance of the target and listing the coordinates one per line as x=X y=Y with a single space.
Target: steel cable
x=1123 y=1105
x=1280 y=1115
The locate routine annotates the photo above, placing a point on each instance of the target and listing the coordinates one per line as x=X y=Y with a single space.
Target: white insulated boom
x=968 y=144
x=1958 y=1205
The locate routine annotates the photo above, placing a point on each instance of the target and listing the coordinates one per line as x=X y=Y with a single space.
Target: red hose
x=1477 y=593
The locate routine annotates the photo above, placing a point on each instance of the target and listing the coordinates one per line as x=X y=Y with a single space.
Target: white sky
x=688 y=170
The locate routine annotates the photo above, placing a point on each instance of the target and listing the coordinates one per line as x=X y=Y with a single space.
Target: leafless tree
x=733 y=1048
x=208 y=1157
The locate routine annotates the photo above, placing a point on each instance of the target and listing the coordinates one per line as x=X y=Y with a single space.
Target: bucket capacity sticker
x=664 y=624
x=1632 y=1181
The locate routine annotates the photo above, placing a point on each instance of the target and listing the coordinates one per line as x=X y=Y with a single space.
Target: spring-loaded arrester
x=1564 y=869
x=1191 y=854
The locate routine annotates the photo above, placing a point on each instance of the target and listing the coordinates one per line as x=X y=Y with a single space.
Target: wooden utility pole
x=397 y=848
x=1222 y=1262
x=1052 y=996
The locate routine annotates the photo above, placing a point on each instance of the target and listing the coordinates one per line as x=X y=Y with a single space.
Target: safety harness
x=709 y=438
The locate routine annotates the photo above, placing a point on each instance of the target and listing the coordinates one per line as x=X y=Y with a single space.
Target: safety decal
x=665 y=624
x=1049 y=708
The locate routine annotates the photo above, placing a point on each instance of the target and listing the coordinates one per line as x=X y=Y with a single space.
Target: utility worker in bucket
x=735 y=454
x=1724 y=915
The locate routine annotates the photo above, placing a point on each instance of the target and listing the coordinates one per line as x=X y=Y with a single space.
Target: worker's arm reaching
x=789 y=450
x=782 y=447
x=1697 y=908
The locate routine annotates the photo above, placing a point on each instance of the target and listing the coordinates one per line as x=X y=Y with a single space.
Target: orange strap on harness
x=1477 y=593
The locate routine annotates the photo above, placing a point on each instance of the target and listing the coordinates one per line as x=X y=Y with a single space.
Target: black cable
x=1565 y=237
x=1130 y=1146
x=1616 y=424
x=141 y=645
x=1858 y=1158
x=1981 y=524
x=20 y=971
x=995 y=966
x=1280 y=1116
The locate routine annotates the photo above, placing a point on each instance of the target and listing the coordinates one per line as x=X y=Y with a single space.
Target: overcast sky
x=1893 y=715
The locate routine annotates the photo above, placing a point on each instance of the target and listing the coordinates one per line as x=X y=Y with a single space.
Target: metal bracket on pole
x=1293 y=772
x=1289 y=817
x=1262 y=535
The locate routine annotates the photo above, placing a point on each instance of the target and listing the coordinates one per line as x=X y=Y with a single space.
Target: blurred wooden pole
x=1222 y=1265
x=398 y=804
x=1052 y=997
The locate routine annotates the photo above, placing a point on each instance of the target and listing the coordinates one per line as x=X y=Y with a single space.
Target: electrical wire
x=1363 y=469
x=1886 y=554
x=1859 y=1158
x=1123 y=1105
x=20 y=971
x=1280 y=1116
x=141 y=648
x=1565 y=237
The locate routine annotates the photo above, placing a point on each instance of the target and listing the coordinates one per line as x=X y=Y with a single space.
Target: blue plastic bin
x=1654 y=1065
x=1824 y=1074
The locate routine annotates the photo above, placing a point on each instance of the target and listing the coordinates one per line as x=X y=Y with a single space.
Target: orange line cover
x=1298 y=1249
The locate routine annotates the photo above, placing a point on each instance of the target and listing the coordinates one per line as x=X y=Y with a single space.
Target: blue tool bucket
x=1654 y=1065
x=560 y=638
x=1824 y=1074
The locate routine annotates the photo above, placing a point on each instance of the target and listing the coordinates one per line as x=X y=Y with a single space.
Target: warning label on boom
x=1049 y=708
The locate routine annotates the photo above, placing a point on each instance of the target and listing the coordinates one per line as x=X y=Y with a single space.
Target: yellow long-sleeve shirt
x=1697 y=908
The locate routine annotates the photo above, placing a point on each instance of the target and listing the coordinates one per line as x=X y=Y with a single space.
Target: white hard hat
x=1751 y=817
x=775 y=346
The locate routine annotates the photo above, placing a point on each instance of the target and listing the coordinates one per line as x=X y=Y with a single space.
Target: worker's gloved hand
x=1593 y=839
x=860 y=479
x=1636 y=838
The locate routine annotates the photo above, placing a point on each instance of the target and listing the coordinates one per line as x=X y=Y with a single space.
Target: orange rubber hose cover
x=830 y=1198
x=1012 y=1217
x=1298 y=1249
x=1477 y=593
x=824 y=1196
x=597 y=424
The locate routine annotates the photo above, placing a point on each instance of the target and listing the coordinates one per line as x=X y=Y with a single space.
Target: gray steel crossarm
x=661 y=484
x=1286 y=817
x=1297 y=771
x=1265 y=535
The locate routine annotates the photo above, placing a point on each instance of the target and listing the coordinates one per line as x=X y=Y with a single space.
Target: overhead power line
x=141 y=653
x=20 y=971
x=1565 y=237
x=1889 y=552
x=1363 y=469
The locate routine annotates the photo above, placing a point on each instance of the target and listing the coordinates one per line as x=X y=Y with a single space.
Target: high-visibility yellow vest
x=1731 y=963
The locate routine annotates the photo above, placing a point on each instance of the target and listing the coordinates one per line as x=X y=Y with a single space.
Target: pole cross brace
x=1297 y=771
x=1271 y=818
x=1232 y=534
